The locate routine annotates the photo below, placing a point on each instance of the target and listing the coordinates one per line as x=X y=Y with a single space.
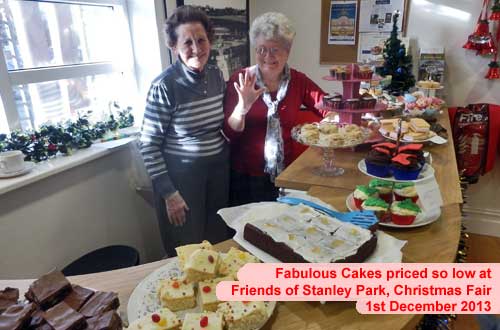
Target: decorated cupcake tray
x=350 y=89
x=426 y=173
x=422 y=218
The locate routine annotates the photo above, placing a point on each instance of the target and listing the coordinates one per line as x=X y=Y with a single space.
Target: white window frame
x=8 y=80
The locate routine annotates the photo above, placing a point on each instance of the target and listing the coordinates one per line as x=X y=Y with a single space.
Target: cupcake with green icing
x=362 y=193
x=404 y=190
x=384 y=189
x=404 y=212
x=377 y=205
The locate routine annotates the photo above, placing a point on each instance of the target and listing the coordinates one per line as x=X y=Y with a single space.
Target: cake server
x=364 y=219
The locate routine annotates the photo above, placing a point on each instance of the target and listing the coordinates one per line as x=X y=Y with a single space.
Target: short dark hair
x=183 y=15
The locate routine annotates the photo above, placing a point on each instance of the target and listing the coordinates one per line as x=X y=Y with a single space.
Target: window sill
x=62 y=163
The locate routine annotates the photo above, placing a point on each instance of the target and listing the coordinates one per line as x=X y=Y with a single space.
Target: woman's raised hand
x=247 y=94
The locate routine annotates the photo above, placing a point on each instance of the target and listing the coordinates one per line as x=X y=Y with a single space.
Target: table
x=289 y=315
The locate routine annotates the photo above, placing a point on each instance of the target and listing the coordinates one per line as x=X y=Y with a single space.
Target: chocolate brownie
x=78 y=297
x=49 y=289
x=100 y=303
x=8 y=297
x=63 y=317
x=37 y=319
x=107 y=321
x=284 y=253
x=17 y=317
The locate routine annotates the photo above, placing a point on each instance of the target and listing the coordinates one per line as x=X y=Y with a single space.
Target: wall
x=431 y=24
x=54 y=221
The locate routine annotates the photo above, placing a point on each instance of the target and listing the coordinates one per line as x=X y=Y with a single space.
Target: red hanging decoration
x=494 y=70
x=495 y=11
x=487 y=48
x=481 y=35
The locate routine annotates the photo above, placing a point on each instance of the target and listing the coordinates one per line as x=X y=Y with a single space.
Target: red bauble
x=495 y=16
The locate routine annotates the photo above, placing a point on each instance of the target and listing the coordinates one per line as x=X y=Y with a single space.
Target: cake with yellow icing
x=177 y=294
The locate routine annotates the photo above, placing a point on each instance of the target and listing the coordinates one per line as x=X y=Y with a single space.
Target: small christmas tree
x=397 y=63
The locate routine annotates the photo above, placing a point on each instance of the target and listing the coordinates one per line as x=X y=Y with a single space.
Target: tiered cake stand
x=328 y=167
x=350 y=88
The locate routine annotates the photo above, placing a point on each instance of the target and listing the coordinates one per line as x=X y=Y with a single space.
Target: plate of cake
x=416 y=130
x=330 y=135
x=181 y=293
x=395 y=204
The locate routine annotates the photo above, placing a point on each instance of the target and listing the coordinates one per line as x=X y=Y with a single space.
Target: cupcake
x=379 y=206
x=365 y=72
x=378 y=162
x=384 y=189
x=387 y=145
x=352 y=104
x=362 y=193
x=368 y=102
x=337 y=102
x=414 y=149
x=341 y=73
x=405 y=167
x=404 y=212
x=328 y=101
x=405 y=190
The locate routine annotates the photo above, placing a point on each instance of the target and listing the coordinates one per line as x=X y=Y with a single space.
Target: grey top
x=183 y=117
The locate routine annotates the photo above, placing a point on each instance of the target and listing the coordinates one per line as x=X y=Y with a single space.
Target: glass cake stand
x=328 y=168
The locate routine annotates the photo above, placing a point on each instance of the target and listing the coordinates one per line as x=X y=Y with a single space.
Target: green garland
x=62 y=138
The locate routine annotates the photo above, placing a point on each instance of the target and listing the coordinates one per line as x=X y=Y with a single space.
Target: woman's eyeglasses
x=263 y=51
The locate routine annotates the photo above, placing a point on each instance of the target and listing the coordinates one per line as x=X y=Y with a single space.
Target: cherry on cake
x=247 y=315
x=183 y=252
x=206 y=291
x=201 y=265
x=162 y=319
x=177 y=294
x=202 y=321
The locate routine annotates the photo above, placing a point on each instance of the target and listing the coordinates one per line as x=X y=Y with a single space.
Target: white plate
x=421 y=220
x=426 y=173
x=434 y=138
x=28 y=166
x=144 y=298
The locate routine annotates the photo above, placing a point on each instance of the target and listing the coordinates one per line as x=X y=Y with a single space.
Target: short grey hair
x=272 y=26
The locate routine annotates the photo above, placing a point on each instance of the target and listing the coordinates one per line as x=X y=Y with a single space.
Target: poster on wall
x=231 y=47
x=371 y=48
x=342 y=22
x=377 y=15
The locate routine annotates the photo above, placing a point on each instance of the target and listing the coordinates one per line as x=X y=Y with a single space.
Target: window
x=60 y=59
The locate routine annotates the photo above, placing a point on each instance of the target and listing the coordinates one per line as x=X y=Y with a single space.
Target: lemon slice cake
x=233 y=261
x=247 y=315
x=201 y=265
x=162 y=319
x=177 y=294
x=202 y=321
x=184 y=251
x=207 y=290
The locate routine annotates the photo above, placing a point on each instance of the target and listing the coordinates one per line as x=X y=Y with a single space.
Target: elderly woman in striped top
x=182 y=145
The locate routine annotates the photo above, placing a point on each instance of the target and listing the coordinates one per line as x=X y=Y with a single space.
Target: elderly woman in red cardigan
x=261 y=107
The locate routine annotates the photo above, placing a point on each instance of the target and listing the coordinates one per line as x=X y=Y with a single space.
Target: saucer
x=28 y=166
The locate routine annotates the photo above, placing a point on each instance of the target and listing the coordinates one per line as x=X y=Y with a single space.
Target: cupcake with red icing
x=362 y=193
x=378 y=206
x=405 y=190
x=378 y=161
x=404 y=212
x=384 y=189
x=391 y=147
x=414 y=149
x=405 y=167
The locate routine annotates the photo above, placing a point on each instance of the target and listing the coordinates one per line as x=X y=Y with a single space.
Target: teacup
x=11 y=161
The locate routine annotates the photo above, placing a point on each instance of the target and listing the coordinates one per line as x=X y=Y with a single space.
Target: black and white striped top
x=183 y=117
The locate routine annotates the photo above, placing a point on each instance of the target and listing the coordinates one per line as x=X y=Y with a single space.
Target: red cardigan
x=247 y=147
